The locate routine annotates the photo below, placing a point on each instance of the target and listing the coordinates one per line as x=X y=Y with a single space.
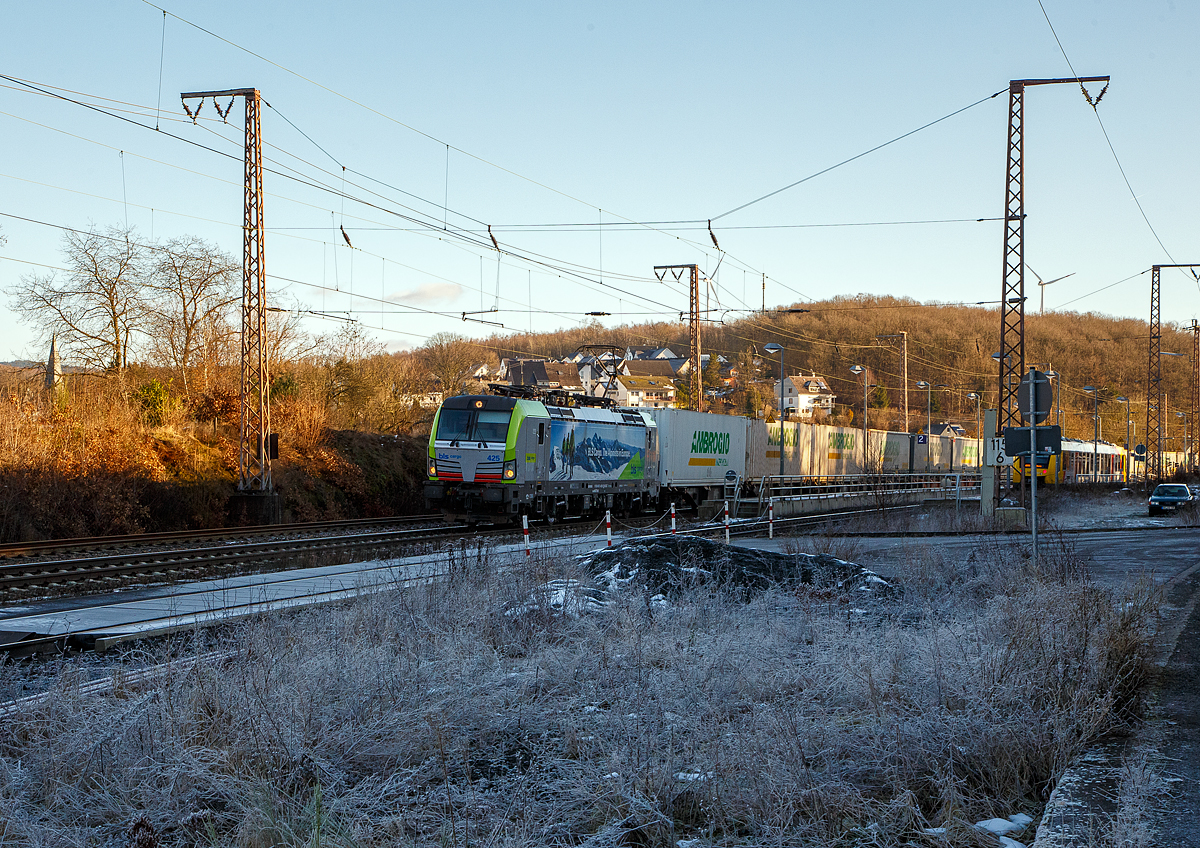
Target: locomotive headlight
x=510 y=470
x=433 y=469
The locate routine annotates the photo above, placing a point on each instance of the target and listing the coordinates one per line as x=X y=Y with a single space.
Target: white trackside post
x=672 y=519
x=608 y=525
x=771 y=518
x=727 y=522
x=525 y=527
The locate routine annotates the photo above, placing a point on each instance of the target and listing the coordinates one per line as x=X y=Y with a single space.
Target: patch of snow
x=934 y=831
x=690 y=776
x=559 y=597
x=1005 y=842
x=612 y=776
x=1000 y=826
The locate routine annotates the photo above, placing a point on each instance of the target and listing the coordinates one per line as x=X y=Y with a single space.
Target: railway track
x=16 y=550
x=273 y=574
x=85 y=566
x=89 y=566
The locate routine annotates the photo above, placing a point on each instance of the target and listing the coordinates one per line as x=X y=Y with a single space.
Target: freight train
x=523 y=451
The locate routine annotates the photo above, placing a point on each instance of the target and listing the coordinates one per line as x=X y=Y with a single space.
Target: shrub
x=436 y=715
x=155 y=401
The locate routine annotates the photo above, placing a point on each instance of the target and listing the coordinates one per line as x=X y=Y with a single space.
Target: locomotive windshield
x=473 y=425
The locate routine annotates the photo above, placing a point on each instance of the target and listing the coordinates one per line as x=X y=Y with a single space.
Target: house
x=647 y=368
x=947 y=429
x=544 y=374
x=509 y=362
x=804 y=394
x=654 y=392
x=649 y=353
x=597 y=370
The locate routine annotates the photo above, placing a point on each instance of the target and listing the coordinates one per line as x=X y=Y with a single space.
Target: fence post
x=771 y=518
x=672 y=519
x=525 y=527
x=727 y=522
x=608 y=525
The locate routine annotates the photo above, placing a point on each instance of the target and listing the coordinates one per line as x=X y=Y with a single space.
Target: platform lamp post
x=1095 y=392
x=975 y=396
x=775 y=348
x=1052 y=376
x=1128 y=446
x=856 y=370
x=1183 y=416
x=924 y=384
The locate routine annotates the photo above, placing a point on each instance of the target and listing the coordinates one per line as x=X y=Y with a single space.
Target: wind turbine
x=1042 y=285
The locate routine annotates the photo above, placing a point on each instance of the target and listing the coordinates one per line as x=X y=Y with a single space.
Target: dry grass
x=431 y=716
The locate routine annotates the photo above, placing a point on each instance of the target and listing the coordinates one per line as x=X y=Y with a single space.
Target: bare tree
x=196 y=285
x=344 y=360
x=286 y=339
x=100 y=303
x=449 y=359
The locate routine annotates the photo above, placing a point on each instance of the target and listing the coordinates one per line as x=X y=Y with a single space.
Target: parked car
x=1169 y=497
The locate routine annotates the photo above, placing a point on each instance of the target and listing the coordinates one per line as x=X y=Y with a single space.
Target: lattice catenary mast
x=676 y=271
x=254 y=454
x=1154 y=394
x=1012 y=299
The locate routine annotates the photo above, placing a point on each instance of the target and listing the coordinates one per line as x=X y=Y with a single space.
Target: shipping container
x=698 y=450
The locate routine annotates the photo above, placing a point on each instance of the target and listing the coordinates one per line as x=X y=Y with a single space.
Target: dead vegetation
x=435 y=716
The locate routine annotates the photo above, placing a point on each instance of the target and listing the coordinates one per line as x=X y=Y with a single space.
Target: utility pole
x=677 y=271
x=1012 y=299
x=254 y=452
x=1192 y=440
x=903 y=336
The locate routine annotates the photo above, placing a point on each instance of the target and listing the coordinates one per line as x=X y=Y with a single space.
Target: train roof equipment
x=550 y=397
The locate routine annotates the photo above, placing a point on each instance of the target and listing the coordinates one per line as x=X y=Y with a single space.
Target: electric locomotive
x=523 y=451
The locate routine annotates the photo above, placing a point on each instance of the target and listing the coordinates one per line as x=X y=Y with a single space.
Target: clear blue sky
x=593 y=113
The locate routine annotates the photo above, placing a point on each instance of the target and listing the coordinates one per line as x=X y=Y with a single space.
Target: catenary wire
x=858 y=156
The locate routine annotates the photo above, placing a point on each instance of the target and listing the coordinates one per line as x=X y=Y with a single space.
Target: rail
x=11 y=550
x=882 y=486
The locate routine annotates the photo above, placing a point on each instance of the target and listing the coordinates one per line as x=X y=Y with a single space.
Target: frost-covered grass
x=439 y=716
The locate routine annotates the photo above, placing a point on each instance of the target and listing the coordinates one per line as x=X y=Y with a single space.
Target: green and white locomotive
x=546 y=455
